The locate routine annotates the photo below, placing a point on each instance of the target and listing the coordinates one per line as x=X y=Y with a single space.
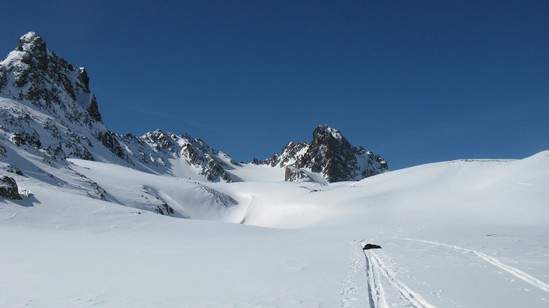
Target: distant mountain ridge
x=330 y=155
x=48 y=110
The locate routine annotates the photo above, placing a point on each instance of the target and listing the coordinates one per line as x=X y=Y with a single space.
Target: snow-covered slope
x=454 y=234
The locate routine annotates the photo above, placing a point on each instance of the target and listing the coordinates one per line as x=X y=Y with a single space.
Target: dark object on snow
x=370 y=246
x=8 y=188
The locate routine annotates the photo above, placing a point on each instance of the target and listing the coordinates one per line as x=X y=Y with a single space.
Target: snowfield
x=468 y=233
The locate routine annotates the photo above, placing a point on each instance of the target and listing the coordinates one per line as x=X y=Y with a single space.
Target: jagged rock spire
x=33 y=44
x=34 y=73
x=329 y=154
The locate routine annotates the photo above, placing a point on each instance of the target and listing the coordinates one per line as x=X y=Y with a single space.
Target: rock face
x=330 y=155
x=35 y=73
x=47 y=107
x=8 y=188
x=207 y=161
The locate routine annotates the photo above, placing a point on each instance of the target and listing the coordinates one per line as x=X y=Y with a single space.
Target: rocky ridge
x=329 y=154
x=48 y=115
x=48 y=109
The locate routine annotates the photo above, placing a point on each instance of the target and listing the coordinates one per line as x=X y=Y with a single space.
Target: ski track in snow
x=355 y=269
x=375 y=270
x=495 y=262
x=11 y=216
x=376 y=294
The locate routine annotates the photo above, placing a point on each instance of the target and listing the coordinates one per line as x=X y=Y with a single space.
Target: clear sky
x=413 y=81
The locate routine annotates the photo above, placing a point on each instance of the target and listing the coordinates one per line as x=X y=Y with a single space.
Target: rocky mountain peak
x=324 y=134
x=33 y=44
x=47 y=109
x=330 y=155
x=34 y=73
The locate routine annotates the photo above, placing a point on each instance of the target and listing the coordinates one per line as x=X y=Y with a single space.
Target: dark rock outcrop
x=195 y=151
x=110 y=141
x=13 y=169
x=8 y=188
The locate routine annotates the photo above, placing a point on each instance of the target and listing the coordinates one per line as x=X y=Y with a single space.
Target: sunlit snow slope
x=470 y=233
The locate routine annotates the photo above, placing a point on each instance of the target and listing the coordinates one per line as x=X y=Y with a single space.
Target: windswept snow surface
x=469 y=233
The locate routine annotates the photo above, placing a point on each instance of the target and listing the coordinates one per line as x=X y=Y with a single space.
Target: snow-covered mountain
x=78 y=222
x=330 y=155
x=46 y=105
x=48 y=115
x=47 y=109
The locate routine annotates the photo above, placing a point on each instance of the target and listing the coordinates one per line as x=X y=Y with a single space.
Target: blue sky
x=414 y=81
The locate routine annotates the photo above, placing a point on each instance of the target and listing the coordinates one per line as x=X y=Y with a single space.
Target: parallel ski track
x=495 y=262
x=375 y=268
x=376 y=294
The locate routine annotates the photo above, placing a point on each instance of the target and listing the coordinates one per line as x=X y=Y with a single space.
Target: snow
x=467 y=233
x=258 y=173
x=13 y=56
x=29 y=36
